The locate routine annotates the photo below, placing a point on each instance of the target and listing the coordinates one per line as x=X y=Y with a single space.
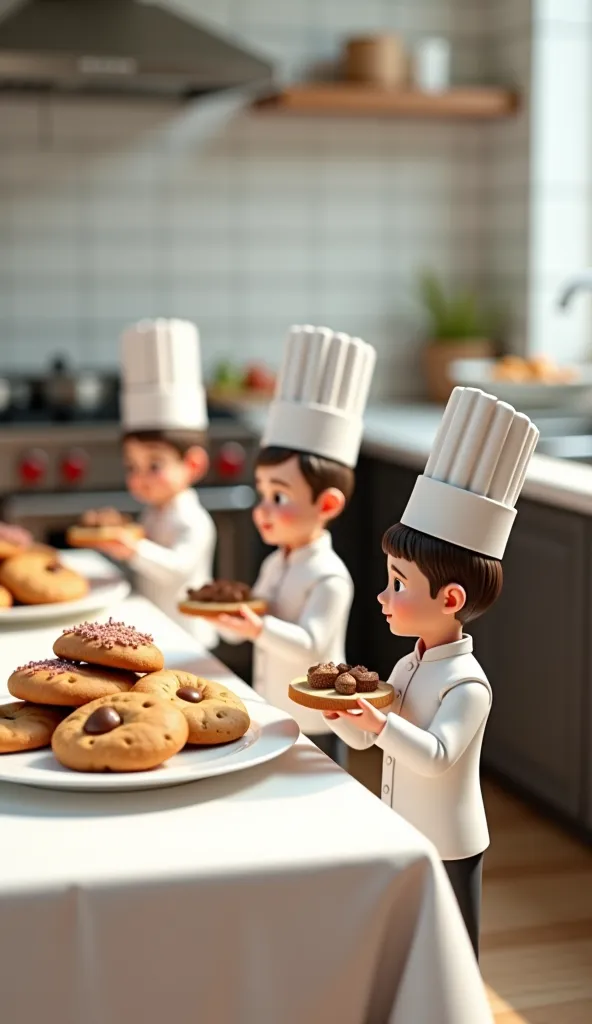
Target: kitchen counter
x=403 y=433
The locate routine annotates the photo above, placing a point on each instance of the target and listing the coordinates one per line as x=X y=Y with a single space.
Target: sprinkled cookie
x=127 y=732
x=37 y=577
x=26 y=726
x=66 y=683
x=112 y=644
x=6 y=600
x=13 y=540
x=214 y=713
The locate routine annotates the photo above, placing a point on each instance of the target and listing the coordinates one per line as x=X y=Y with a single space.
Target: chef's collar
x=462 y=646
x=322 y=543
x=187 y=499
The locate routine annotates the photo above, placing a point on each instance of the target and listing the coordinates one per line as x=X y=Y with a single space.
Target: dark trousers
x=465 y=877
x=328 y=742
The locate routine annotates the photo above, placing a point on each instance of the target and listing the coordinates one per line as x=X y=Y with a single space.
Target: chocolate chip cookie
x=126 y=732
x=26 y=726
x=37 y=577
x=214 y=713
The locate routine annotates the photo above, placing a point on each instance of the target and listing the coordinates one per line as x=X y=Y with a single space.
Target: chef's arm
x=168 y=566
x=327 y=606
x=260 y=589
x=434 y=750
x=349 y=734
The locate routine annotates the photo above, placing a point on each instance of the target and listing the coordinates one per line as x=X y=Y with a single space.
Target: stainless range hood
x=118 y=46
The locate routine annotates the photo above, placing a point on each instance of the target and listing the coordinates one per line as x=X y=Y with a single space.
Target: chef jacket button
x=410 y=665
x=386 y=789
x=398 y=694
x=389 y=760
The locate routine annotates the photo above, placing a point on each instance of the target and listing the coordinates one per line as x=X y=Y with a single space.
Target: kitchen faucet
x=573 y=285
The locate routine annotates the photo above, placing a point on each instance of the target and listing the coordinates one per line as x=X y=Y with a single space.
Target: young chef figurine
x=444 y=569
x=165 y=425
x=304 y=477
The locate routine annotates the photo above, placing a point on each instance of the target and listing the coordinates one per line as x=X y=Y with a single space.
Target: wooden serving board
x=329 y=700
x=213 y=609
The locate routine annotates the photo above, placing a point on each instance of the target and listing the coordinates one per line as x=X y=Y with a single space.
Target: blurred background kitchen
x=416 y=172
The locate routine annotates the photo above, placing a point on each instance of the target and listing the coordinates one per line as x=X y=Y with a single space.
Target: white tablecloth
x=285 y=894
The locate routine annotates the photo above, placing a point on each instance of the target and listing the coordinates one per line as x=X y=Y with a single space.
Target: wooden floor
x=536 y=935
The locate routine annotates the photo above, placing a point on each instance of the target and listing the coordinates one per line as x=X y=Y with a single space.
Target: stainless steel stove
x=60 y=448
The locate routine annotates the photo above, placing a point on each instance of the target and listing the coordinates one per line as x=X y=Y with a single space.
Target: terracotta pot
x=437 y=358
x=380 y=60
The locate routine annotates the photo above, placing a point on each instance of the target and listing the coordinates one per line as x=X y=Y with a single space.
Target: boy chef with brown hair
x=165 y=425
x=444 y=569
x=305 y=477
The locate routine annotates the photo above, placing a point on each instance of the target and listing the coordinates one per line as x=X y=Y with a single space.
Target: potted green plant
x=459 y=329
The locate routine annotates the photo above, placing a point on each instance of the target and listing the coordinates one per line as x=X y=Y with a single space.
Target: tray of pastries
x=331 y=687
x=100 y=525
x=222 y=597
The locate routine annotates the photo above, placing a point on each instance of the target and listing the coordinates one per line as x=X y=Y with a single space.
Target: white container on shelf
x=431 y=65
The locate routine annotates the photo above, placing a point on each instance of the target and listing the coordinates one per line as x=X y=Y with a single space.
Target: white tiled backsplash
x=246 y=222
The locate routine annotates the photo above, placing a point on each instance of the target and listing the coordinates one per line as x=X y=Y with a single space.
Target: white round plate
x=104 y=592
x=270 y=734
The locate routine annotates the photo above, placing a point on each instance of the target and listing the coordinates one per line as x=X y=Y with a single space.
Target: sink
x=576 y=447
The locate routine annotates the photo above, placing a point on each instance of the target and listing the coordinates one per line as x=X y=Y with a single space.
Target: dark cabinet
x=532 y=645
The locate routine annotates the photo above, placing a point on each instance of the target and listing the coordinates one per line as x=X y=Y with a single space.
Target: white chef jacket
x=432 y=746
x=177 y=553
x=309 y=594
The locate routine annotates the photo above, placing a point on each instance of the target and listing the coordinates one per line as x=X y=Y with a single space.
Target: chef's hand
x=121 y=550
x=247 y=624
x=368 y=719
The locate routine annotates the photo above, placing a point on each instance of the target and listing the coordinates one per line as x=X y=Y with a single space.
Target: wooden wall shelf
x=343 y=99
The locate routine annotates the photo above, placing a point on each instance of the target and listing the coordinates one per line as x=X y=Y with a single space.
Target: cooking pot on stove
x=66 y=390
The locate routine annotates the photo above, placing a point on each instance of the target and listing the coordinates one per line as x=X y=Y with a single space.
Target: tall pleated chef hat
x=162 y=386
x=474 y=474
x=321 y=394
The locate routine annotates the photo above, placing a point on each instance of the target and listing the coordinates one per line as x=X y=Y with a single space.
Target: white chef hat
x=474 y=474
x=321 y=394
x=162 y=387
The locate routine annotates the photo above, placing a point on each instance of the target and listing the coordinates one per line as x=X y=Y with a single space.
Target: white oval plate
x=104 y=592
x=271 y=733
x=478 y=373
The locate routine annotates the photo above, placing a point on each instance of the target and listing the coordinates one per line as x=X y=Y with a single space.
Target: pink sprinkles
x=53 y=666
x=111 y=633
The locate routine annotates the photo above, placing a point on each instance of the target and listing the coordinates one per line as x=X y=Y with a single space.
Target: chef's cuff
x=390 y=737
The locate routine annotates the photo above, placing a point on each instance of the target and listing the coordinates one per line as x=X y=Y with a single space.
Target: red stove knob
x=74 y=466
x=33 y=466
x=231 y=459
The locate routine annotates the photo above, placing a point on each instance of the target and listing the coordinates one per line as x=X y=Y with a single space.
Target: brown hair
x=319 y=473
x=443 y=563
x=180 y=440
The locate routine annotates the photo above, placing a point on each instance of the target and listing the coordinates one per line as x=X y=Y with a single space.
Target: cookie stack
x=32 y=574
x=130 y=714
